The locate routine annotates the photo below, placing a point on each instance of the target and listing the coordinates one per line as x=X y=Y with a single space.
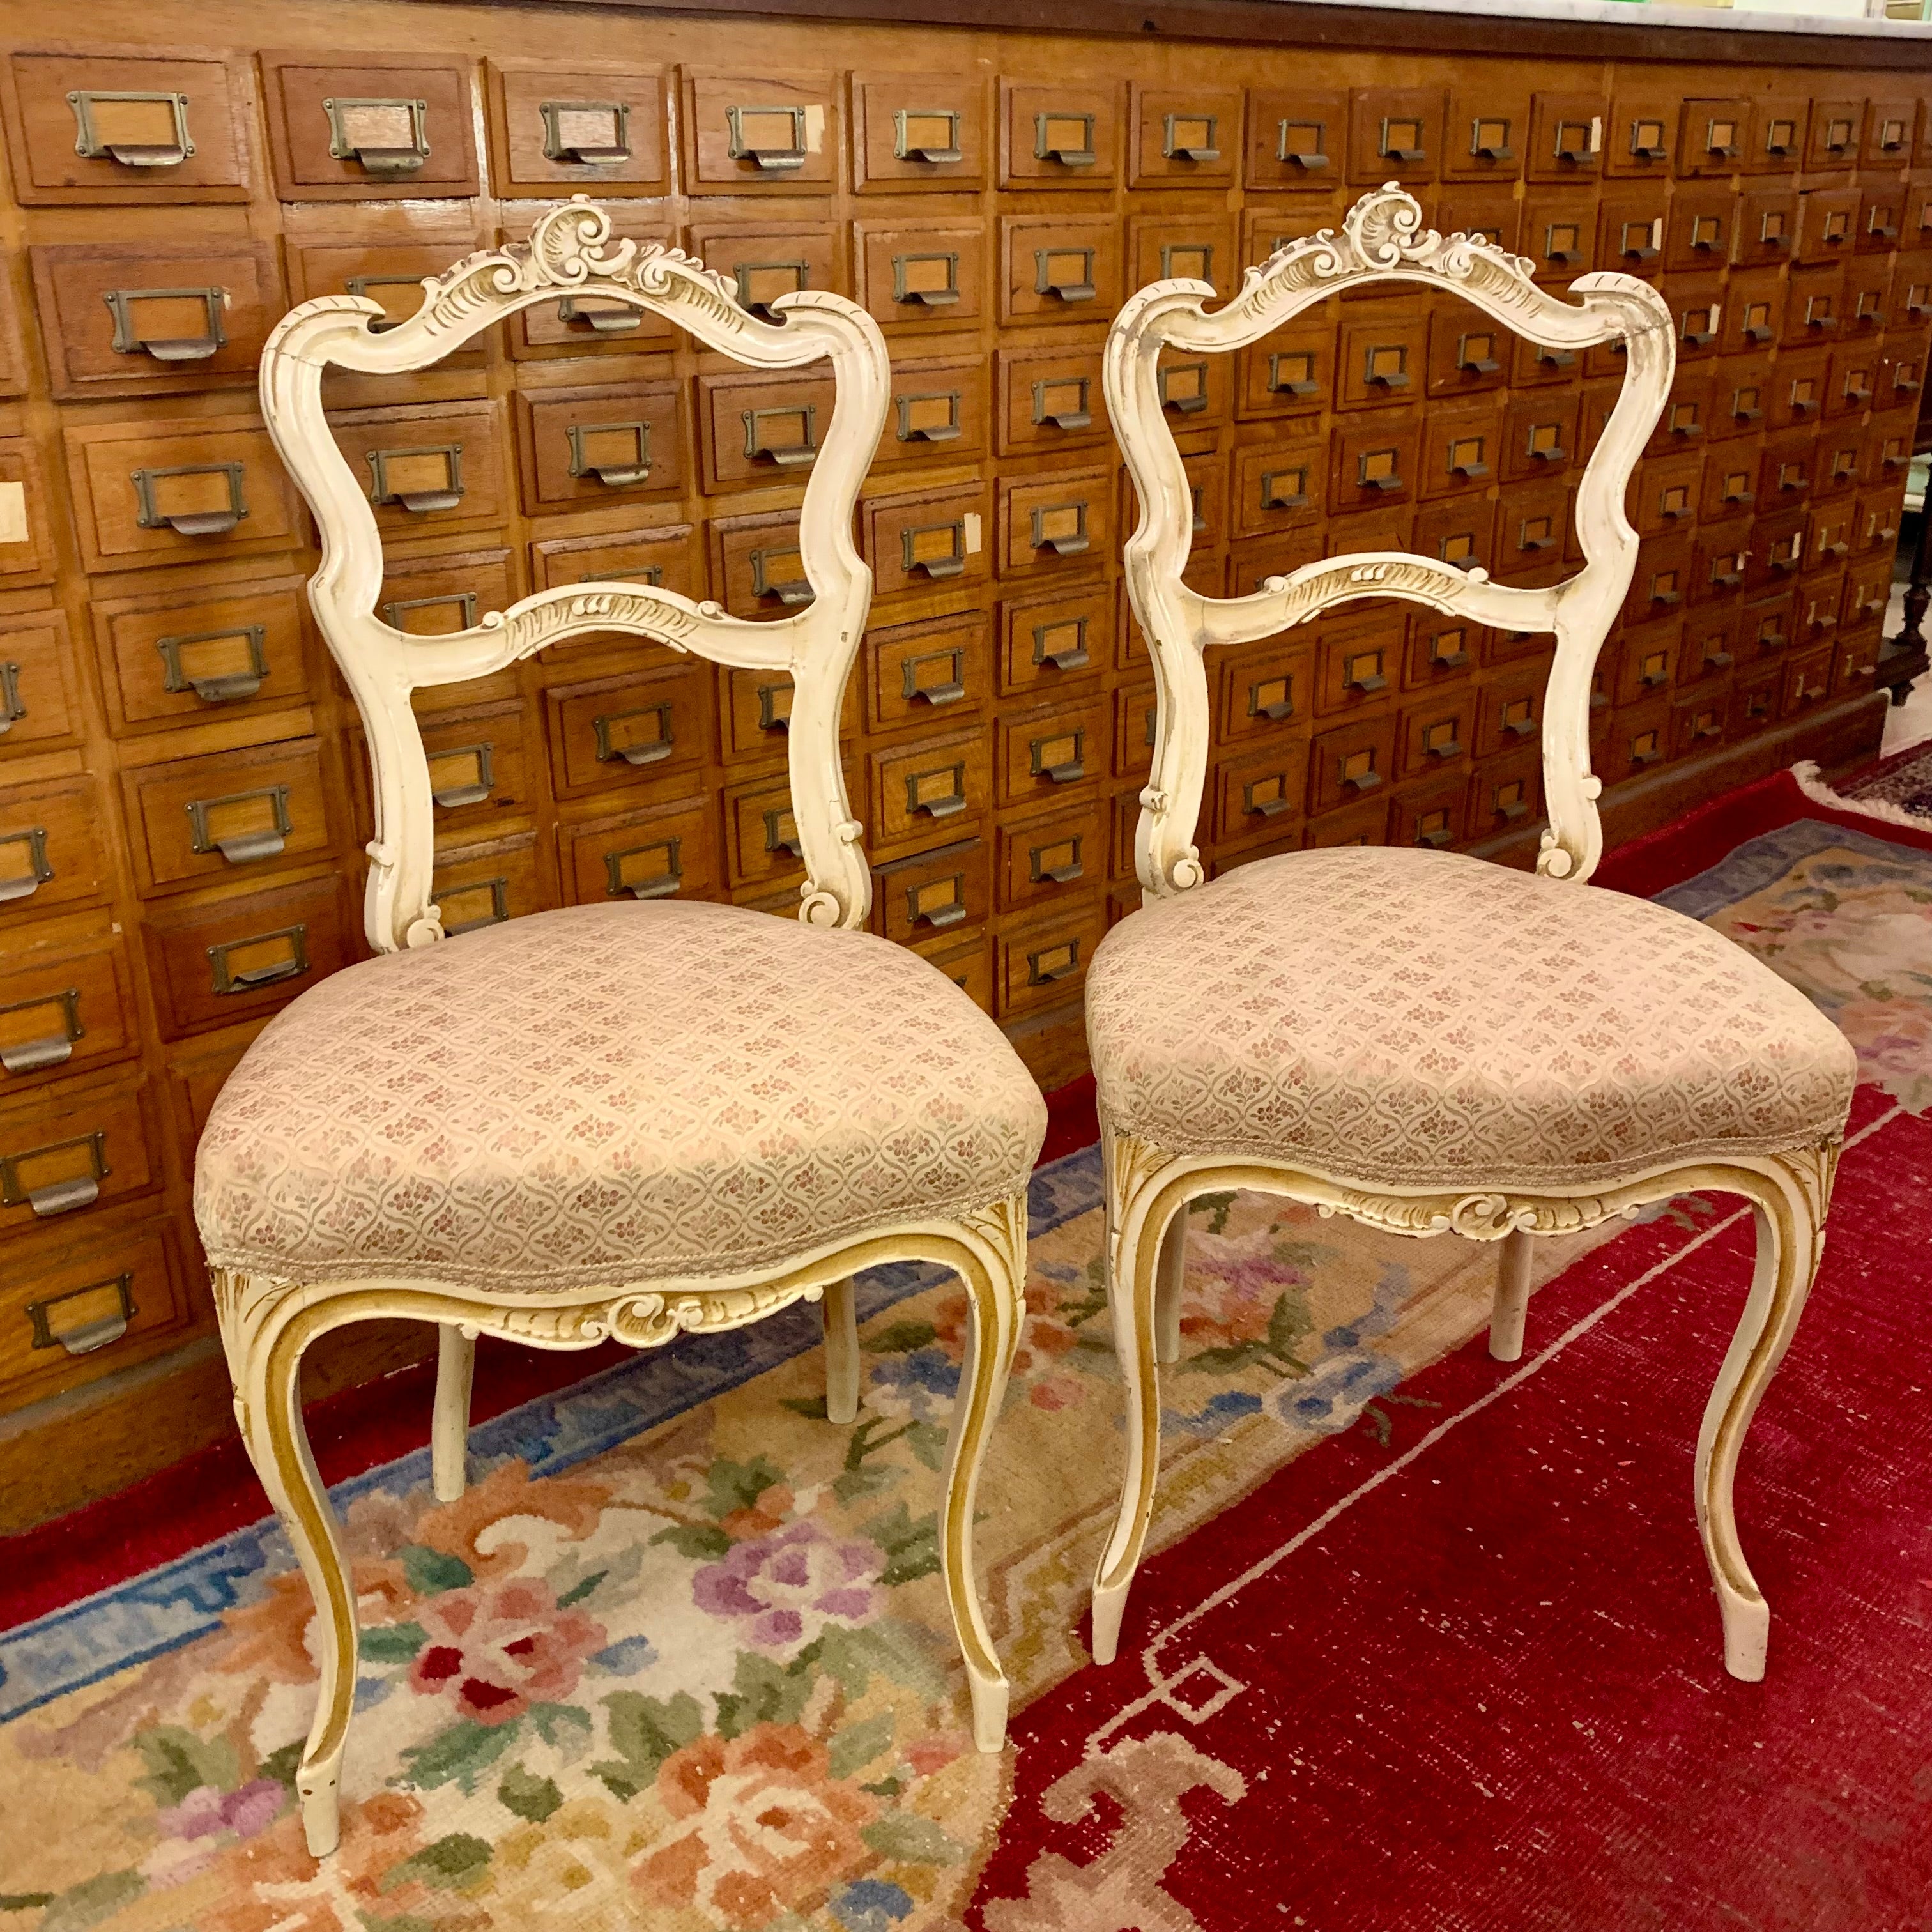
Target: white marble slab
x=1623 y=13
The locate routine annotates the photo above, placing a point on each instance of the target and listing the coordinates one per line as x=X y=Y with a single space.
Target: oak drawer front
x=1432 y=813
x=1363 y=824
x=1660 y=585
x=485 y=884
x=927 y=673
x=1262 y=792
x=1829 y=536
x=922 y=791
x=1855 y=371
x=1532 y=362
x=1505 y=793
x=1057 y=269
x=81 y=1312
x=1740 y=387
x=1700 y=721
x=94 y=129
x=1640 y=136
x=219 y=960
x=65 y=1000
x=67 y=1150
x=756 y=706
x=1463 y=448
x=913 y=132
x=932 y=893
x=38 y=704
x=1491 y=212
x=1559 y=233
x=1892 y=123
x=389 y=125
x=1828 y=225
x=650 y=728
x=1056 y=521
x=1192 y=389
x=1435 y=734
x=1765 y=629
x=1815 y=607
x=1136 y=711
x=1374 y=461
x=1767 y=227
x=583 y=447
x=1566 y=136
x=26 y=535
x=223 y=815
x=1350 y=762
x=1197 y=246
x=443 y=591
x=1778 y=138
x=1280 y=487
x=1047 y=642
x=166 y=658
x=656 y=852
x=50 y=850
x=1539 y=438
x=177 y=493
x=1044 y=963
x=1720 y=563
x=132 y=322
x=1646 y=661
x=1461 y=530
x=1710 y=651
x=1183 y=137
x=1663 y=497
x=1633 y=231
x=756 y=569
x=1251 y=564
x=555 y=130
x=1467 y=352
x=1880 y=510
x=1881 y=217
x=927 y=540
x=1639 y=739
x=938 y=415
x=1754 y=312
x=1065 y=136
x=478 y=762
x=1292 y=373
x=1395 y=134
x=1050 y=399
x=1787 y=473
x=751 y=134
x=1807 y=682
x=1358 y=663
x=758 y=430
x=422 y=468
x=1383 y=355
x=1532 y=526
x=1713 y=135
x=765 y=262
x=1855 y=665
x=1798 y=388
x=1042 y=753
x=1487 y=133
x=1440 y=649
x=762 y=846
x=671 y=557
x=1297 y=138
x=920 y=278
x=390 y=274
x=1509 y=707
x=1057 y=856
x=586 y=326
x=967 y=960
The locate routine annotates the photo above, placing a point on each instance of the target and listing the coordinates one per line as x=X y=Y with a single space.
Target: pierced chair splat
x=545 y=1130
x=1419 y=1040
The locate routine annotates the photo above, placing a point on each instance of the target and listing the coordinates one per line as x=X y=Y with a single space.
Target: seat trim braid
x=1381 y=240
x=570 y=253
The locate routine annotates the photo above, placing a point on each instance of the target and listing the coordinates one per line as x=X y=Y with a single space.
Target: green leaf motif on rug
x=83 y=1905
x=644 y=1731
x=458 y=1756
x=911 y=1543
x=393 y=1643
x=906 y=1836
x=449 y=1864
x=179 y=1762
x=430 y=1572
x=895 y=1650
x=738 y=1486
x=854 y=1747
x=902 y=1338
x=702 y=1542
x=765 y=1692
x=528 y=1795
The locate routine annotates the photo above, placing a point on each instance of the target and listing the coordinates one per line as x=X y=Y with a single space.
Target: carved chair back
x=570 y=253
x=1382 y=240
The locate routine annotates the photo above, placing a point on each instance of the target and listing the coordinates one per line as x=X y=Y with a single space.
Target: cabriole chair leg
x=1170 y=1273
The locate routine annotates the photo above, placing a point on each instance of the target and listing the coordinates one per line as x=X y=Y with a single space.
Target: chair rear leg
x=449 y=1428
x=1511 y=1308
x=1170 y=1274
x=839 y=1315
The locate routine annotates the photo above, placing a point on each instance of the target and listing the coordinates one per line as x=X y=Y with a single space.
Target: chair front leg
x=1790 y=1242
x=1511 y=1309
x=838 y=1317
x=449 y=1426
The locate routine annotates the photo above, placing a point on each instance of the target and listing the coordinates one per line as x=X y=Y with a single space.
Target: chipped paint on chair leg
x=449 y=1428
x=838 y=1319
x=1511 y=1310
x=1170 y=1274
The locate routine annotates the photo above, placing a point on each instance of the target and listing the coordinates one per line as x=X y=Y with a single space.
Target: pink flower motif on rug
x=496 y=1652
x=776 y=1580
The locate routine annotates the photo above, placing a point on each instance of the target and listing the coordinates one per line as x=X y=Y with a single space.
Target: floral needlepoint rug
x=1427 y=1644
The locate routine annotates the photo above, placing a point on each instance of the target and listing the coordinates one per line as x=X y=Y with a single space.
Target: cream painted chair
x=1414 y=1038
x=634 y=1119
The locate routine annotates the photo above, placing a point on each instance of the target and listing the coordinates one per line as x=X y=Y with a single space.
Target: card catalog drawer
x=67 y=1150
x=208 y=817
x=1699 y=721
x=26 y=538
x=1467 y=351
x=763 y=847
x=1640 y=137
x=750 y=133
x=1373 y=462
x=1661 y=583
x=1062 y=137
x=585 y=447
x=1646 y=660
x=1787 y=473
x=1044 y=963
x=119 y=321
x=1047 y=642
x=1505 y=794
x=478 y=760
x=669 y=558
x=391 y=124
x=924 y=672
x=1192 y=390
x=177 y=492
x=392 y=275
x=1050 y=399
x=916 y=131
x=1440 y=649
x=757 y=566
x=1292 y=373
x=757 y=430
x=484 y=884
x=1297 y=138
x=1836 y=126
x=1432 y=813
x=166 y=657
x=1461 y=530
x=1053 y=521
x=1265 y=688
x=920 y=278
x=1463 y=448
x=1539 y=438
x=1184 y=137
x=1827 y=220
x=94 y=129
x=1868 y=298
x=38 y=702
x=50 y=852
x=1196 y=247
x=1054 y=857
x=650 y=727
x=1776 y=141
x=1262 y=792
x=1559 y=233
x=926 y=540
x=65 y=999
x=1663 y=495
x=1358 y=662
x=555 y=130
x=1721 y=561
x=440 y=464
x=924 y=790
x=1854 y=665
x=1765 y=629
x=1278 y=487
x=82 y=1312
x=656 y=852
x=1059 y=270
x=1487 y=134
x=1508 y=708
x=1633 y=231
x=1696 y=302
x=1881 y=217
x=1639 y=740
x=217 y=960
x=756 y=707
x=1711 y=139
x=1384 y=349
x=440 y=591
x=1042 y=752
x=1815 y=607
x=1566 y=136
x=1710 y=645
x=932 y=893
x=1395 y=134
x=937 y=415
x=763 y=264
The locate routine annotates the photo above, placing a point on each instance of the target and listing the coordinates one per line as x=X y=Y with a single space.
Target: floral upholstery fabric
x=1420 y=1018
x=610 y=1094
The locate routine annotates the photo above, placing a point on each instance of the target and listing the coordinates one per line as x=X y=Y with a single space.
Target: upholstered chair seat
x=608 y=1094
x=1424 y=1020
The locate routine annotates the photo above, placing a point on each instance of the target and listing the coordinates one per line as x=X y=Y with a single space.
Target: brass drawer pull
x=618 y=476
x=242 y=847
x=129 y=339
x=950 y=691
x=1385 y=366
x=952 y=564
x=62 y=1196
x=229 y=979
x=221 y=688
x=942 y=912
x=1311 y=160
x=397 y=608
x=1070 y=284
x=1362 y=781
x=1511 y=809
x=481 y=763
x=1297 y=385
x=943 y=295
x=198 y=522
x=640 y=750
x=912 y=429
x=1557 y=358
x=1067 y=770
x=1186 y=403
x=791 y=591
x=1727 y=579
x=24 y=885
x=1522 y=727
x=941 y=917
x=1377 y=469
x=796 y=274
x=590 y=133
x=944 y=805
x=1053 y=139
x=1065 y=962
x=662 y=885
x=770 y=698
x=1065 y=871
x=912 y=141
x=1446 y=747
x=86 y=1336
x=1274 y=712
x=1717 y=660
x=752 y=131
x=1068 y=657
x=12 y=709
x=499 y=910
x=1254 y=805
x=1051 y=396
x=361 y=285
x=420 y=499
x=788 y=456
x=1366 y=681
x=1191 y=137
x=133 y=139
x=1859 y=397
x=1066 y=538
x=383 y=137
x=1434 y=836
x=30 y=1056
x=781 y=833
x=601 y=318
